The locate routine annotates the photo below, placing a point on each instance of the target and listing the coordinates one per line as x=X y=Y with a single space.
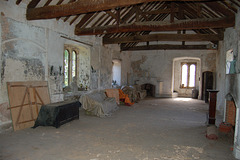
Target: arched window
x=70 y=65
x=192 y=75
x=74 y=64
x=66 y=67
x=188 y=75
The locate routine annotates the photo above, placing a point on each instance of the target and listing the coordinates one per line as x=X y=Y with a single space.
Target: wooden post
x=212 y=106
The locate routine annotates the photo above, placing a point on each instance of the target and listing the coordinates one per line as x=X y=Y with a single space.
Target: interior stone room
x=125 y=54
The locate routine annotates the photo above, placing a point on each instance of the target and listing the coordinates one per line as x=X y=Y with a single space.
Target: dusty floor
x=153 y=129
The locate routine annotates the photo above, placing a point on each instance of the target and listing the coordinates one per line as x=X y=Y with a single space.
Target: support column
x=212 y=106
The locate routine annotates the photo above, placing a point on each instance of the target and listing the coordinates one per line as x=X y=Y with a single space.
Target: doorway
x=116 y=72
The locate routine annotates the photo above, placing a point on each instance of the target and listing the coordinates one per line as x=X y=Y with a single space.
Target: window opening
x=188 y=75
x=66 y=67
x=184 y=75
x=192 y=75
x=116 y=72
x=74 y=64
x=70 y=65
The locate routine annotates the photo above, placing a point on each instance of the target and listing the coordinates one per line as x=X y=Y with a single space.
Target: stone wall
x=158 y=66
x=231 y=41
x=29 y=49
x=229 y=83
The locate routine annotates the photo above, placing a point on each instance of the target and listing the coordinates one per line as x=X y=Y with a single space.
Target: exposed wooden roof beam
x=161 y=11
x=168 y=47
x=217 y=7
x=79 y=7
x=84 y=20
x=160 y=26
x=74 y=19
x=48 y=2
x=164 y=37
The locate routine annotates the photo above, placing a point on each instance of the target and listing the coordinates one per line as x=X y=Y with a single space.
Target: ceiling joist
x=169 y=47
x=164 y=37
x=129 y=22
x=78 y=7
x=187 y=24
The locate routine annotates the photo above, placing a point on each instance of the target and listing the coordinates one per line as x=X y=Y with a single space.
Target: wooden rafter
x=79 y=7
x=33 y=3
x=168 y=47
x=160 y=26
x=84 y=19
x=48 y=2
x=218 y=8
x=74 y=19
x=164 y=37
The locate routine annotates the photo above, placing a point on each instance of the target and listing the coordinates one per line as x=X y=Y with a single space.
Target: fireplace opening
x=149 y=88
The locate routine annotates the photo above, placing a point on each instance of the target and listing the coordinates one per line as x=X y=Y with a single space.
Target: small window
x=74 y=64
x=70 y=66
x=66 y=67
x=188 y=75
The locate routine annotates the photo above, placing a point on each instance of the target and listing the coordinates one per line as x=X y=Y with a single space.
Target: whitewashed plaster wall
x=152 y=66
x=30 y=48
x=231 y=41
x=229 y=84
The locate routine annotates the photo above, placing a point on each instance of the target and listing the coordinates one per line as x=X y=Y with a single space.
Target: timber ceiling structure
x=142 y=24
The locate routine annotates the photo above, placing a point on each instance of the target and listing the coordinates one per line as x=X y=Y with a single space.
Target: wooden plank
x=172 y=14
x=33 y=4
x=168 y=47
x=164 y=37
x=35 y=99
x=161 y=11
x=84 y=20
x=66 y=18
x=25 y=99
x=25 y=105
x=74 y=19
x=79 y=7
x=220 y=9
x=48 y=2
x=160 y=26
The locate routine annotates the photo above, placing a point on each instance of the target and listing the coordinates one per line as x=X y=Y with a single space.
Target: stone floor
x=153 y=129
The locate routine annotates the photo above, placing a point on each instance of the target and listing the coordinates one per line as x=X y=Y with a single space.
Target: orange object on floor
x=225 y=127
x=113 y=93
x=125 y=98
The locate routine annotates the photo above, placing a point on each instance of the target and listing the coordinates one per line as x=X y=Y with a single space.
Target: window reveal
x=188 y=75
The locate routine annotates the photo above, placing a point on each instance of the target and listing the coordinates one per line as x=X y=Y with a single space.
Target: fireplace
x=232 y=108
x=149 y=88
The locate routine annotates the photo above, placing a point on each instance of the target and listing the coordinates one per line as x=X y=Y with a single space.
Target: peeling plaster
x=30 y=48
x=136 y=67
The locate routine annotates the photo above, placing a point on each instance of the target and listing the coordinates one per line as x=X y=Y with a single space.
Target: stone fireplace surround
x=159 y=86
x=233 y=89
